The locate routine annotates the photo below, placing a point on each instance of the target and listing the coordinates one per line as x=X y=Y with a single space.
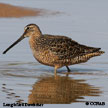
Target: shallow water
x=22 y=79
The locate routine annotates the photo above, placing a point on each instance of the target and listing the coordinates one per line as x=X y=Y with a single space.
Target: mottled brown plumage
x=54 y=50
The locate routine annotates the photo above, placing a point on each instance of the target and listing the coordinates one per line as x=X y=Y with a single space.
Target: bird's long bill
x=21 y=38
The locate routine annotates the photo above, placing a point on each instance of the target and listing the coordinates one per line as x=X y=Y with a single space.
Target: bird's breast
x=41 y=53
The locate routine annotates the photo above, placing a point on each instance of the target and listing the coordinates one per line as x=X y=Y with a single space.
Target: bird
x=56 y=50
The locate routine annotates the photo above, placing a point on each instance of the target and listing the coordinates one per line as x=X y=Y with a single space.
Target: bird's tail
x=88 y=49
x=88 y=53
x=92 y=54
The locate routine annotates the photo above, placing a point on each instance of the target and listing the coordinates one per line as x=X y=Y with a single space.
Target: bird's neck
x=36 y=34
x=33 y=39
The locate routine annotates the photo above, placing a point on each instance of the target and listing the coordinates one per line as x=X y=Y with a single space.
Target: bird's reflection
x=59 y=90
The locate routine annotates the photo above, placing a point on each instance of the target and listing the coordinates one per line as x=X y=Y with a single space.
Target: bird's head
x=29 y=30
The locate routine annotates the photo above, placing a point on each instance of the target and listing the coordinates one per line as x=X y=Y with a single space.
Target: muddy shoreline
x=9 y=11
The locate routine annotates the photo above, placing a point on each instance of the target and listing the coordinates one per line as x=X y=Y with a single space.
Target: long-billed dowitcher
x=54 y=50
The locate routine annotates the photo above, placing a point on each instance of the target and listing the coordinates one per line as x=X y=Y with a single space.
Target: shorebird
x=55 y=50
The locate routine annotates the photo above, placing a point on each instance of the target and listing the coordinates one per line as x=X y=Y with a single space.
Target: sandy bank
x=7 y=10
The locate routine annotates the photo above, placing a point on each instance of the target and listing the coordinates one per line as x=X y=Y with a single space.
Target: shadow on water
x=59 y=90
x=47 y=88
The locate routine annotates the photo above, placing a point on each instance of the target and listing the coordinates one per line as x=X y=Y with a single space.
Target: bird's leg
x=68 y=69
x=55 y=71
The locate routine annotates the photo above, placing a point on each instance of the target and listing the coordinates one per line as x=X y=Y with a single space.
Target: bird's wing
x=62 y=46
x=66 y=48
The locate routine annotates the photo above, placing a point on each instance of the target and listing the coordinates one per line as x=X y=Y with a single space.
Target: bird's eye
x=28 y=28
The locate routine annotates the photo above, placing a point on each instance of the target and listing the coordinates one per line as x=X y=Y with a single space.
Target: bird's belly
x=43 y=58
